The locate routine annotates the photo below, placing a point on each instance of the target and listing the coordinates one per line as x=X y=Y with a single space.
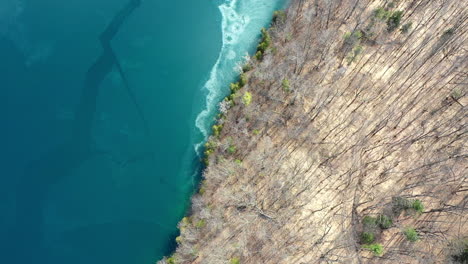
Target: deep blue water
x=103 y=106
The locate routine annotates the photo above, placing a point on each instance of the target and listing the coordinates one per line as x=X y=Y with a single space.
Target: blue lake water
x=103 y=106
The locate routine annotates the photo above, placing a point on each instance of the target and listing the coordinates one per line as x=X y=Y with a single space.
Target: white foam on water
x=241 y=23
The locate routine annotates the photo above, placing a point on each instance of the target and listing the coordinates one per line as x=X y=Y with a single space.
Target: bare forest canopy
x=344 y=141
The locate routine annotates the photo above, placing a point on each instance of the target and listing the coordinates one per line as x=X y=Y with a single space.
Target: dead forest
x=344 y=141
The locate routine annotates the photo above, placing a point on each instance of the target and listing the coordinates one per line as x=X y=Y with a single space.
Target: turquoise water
x=104 y=105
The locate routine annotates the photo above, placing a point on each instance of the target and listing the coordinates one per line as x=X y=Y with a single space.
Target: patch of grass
x=286 y=85
x=234 y=260
x=247 y=98
x=384 y=221
x=238 y=161
x=411 y=234
x=377 y=249
x=367 y=237
x=394 y=20
x=255 y=132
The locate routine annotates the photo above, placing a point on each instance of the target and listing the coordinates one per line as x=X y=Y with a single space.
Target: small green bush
x=406 y=27
x=377 y=249
x=411 y=234
x=247 y=67
x=369 y=221
x=238 y=161
x=171 y=260
x=200 y=224
x=286 y=85
x=217 y=130
x=394 y=20
x=232 y=149
x=381 y=13
x=352 y=38
x=384 y=221
x=279 y=16
x=243 y=80
x=367 y=237
x=247 y=98
x=265 y=41
x=256 y=132
x=459 y=251
x=234 y=87
x=399 y=204
x=259 y=55
x=417 y=206
x=234 y=260
x=357 y=50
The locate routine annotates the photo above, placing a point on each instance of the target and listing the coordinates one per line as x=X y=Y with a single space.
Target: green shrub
x=234 y=260
x=352 y=38
x=367 y=237
x=178 y=239
x=381 y=13
x=459 y=251
x=399 y=204
x=279 y=16
x=369 y=221
x=285 y=85
x=247 y=98
x=232 y=149
x=234 y=87
x=171 y=260
x=238 y=161
x=200 y=224
x=394 y=20
x=243 y=80
x=406 y=27
x=411 y=234
x=264 y=44
x=377 y=249
x=217 y=130
x=384 y=221
x=417 y=206
x=256 y=132
x=259 y=55
x=247 y=67
x=357 y=50
x=202 y=189
x=448 y=32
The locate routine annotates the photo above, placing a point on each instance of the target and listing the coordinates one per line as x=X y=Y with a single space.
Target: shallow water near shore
x=104 y=104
